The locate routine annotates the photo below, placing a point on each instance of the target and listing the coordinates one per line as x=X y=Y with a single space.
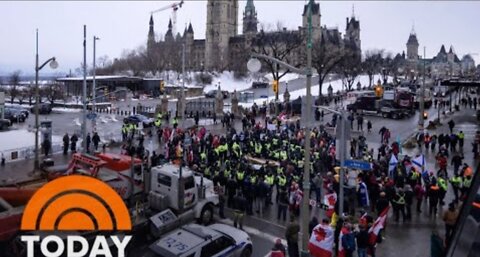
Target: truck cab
x=198 y=196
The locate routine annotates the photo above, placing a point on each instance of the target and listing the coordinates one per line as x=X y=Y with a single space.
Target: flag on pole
x=419 y=162
x=321 y=241
x=377 y=226
x=391 y=165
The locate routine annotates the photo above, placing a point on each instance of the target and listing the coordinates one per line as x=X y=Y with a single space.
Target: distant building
x=224 y=48
x=443 y=64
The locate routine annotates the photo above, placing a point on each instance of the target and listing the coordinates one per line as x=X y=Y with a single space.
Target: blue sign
x=358 y=165
x=91 y=116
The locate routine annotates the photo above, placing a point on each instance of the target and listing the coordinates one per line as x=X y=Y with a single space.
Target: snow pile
x=20 y=139
x=229 y=83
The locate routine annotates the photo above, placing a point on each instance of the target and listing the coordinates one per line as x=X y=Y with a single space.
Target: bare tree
x=14 y=82
x=372 y=64
x=52 y=92
x=30 y=94
x=325 y=59
x=349 y=68
x=281 y=44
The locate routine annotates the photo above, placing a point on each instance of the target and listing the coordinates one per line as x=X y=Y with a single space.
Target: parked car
x=14 y=115
x=43 y=108
x=4 y=124
x=19 y=108
x=259 y=84
x=138 y=118
x=213 y=94
x=217 y=240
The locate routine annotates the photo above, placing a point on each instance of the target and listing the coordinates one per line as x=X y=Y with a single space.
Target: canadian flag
x=341 y=250
x=330 y=200
x=321 y=241
x=377 y=226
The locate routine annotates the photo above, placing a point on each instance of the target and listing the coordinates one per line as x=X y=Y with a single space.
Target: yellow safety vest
x=240 y=175
x=401 y=199
x=282 y=181
x=269 y=180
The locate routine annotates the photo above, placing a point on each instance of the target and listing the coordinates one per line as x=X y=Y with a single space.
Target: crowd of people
x=262 y=165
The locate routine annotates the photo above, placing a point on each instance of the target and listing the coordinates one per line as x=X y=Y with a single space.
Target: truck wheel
x=206 y=216
x=385 y=115
x=247 y=252
x=395 y=116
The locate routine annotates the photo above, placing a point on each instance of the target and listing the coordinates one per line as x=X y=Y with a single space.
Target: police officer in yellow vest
x=175 y=122
x=399 y=205
x=456 y=182
x=270 y=181
x=281 y=184
x=467 y=183
x=442 y=183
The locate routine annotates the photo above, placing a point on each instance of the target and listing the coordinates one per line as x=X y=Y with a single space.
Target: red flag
x=321 y=241
x=377 y=226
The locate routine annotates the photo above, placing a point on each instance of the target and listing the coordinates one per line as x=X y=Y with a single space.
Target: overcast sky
x=124 y=25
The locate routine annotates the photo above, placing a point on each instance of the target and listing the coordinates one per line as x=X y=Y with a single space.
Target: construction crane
x=174 y=7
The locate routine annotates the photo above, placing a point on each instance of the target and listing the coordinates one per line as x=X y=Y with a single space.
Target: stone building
x=443 y=64
x=225 y=49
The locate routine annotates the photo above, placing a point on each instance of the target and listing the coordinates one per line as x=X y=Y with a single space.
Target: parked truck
x=371 y=105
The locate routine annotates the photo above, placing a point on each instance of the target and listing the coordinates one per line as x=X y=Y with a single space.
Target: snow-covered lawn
x=337 y=85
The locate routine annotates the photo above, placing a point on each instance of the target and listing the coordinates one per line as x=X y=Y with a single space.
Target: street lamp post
x=254 y=65
x=94 y=85
x=53 y=65
x=84 y=95
x=421 y=119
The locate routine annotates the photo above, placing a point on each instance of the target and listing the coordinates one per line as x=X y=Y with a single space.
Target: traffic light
x=275 y=86
x=378 y=91
x=162 y=86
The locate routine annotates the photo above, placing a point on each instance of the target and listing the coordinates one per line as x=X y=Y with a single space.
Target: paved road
x=264 y=230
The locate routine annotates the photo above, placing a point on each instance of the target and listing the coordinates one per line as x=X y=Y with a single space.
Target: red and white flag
x=377 y=226
x=330 y=200
x=321 y=241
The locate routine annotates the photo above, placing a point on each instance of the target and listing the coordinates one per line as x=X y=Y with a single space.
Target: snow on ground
x=65 y=110
x=19 y=139
x=229 y=83
x=287 y=77
x=337 y=85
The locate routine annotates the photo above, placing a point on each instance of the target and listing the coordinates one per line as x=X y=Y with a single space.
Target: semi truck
x=165 y=193
x=371 y=105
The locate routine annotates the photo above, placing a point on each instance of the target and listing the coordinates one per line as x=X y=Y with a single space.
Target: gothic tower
x=189 y=40
x=151 y=35
x=316 y=27
x=169 y=34
x=222 y=21
x=250 y=19
x=352 y=33
x=412 y=47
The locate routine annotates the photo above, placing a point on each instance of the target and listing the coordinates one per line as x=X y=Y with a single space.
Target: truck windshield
x=189 y=183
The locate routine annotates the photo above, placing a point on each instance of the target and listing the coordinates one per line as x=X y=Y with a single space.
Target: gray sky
x=124 y=25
